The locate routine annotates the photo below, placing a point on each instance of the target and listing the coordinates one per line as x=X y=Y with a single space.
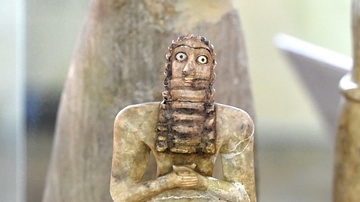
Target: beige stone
x=347 y=170
x=135 y=138
x=118 y=62
x=186 y=140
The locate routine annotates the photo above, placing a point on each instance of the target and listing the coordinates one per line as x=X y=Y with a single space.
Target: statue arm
x=130 y=157
x=237 y=157
x=239 y=183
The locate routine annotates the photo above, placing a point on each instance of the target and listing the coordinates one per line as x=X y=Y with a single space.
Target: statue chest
x=204 y=163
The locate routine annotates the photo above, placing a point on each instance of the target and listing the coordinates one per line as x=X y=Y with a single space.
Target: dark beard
x=187 y=119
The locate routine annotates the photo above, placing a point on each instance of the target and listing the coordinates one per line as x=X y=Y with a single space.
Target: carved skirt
x=178 y=195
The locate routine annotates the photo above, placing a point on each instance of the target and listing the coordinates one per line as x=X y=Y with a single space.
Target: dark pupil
x=202 y=59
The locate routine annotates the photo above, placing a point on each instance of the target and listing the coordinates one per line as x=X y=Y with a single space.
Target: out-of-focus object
x=347 y=170
x=12 y=98
x=320 y=70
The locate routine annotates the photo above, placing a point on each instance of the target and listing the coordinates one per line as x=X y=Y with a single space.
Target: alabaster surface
x=186 y=133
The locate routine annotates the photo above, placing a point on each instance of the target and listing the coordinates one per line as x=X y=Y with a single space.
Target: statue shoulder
x=133 y=116
x=138 y=110
x=233 y=121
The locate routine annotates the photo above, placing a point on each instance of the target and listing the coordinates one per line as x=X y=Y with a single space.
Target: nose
x=188 y=69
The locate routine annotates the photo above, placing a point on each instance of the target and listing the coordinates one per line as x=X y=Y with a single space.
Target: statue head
x=191 y=59
x=187 y=114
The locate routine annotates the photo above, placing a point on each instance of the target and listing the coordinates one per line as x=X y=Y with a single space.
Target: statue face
x=186 y=119
x=190 y=64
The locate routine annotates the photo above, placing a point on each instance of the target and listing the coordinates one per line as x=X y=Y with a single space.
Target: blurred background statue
x=347 y=170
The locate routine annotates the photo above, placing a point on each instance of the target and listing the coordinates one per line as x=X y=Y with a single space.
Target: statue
x=347 y=158
x=186 y=132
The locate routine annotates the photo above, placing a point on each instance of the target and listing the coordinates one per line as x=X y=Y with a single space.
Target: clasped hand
x=186 y=178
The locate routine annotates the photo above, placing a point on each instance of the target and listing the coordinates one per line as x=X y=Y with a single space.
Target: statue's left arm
x=236 y=129
x=235 y=134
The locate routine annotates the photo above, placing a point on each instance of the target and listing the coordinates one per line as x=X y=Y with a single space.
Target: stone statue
x=347 y=158
x=186 y=132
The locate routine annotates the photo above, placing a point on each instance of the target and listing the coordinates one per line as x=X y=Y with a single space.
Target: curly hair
x=167 y=138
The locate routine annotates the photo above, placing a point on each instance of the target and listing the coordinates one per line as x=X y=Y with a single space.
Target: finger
x=192 y=166
x=188 y=184
x=189 y=180
x=186 y=173
x=187 y=177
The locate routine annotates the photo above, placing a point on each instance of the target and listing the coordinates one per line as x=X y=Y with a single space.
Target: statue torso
x=165 y=160
x=204 y=162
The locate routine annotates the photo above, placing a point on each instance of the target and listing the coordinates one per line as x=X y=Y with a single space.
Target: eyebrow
x=181 y=45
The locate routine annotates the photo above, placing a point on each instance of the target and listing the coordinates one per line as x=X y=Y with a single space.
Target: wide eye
x=202 y=59
x=181 y=56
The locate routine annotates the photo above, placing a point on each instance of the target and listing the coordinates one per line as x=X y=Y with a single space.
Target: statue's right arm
x=130 y=157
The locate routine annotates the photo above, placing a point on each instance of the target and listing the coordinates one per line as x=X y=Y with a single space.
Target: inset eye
x=202 y=59
x=181 y=56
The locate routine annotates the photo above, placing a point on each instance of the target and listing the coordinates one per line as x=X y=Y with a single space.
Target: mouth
x=188 y=79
